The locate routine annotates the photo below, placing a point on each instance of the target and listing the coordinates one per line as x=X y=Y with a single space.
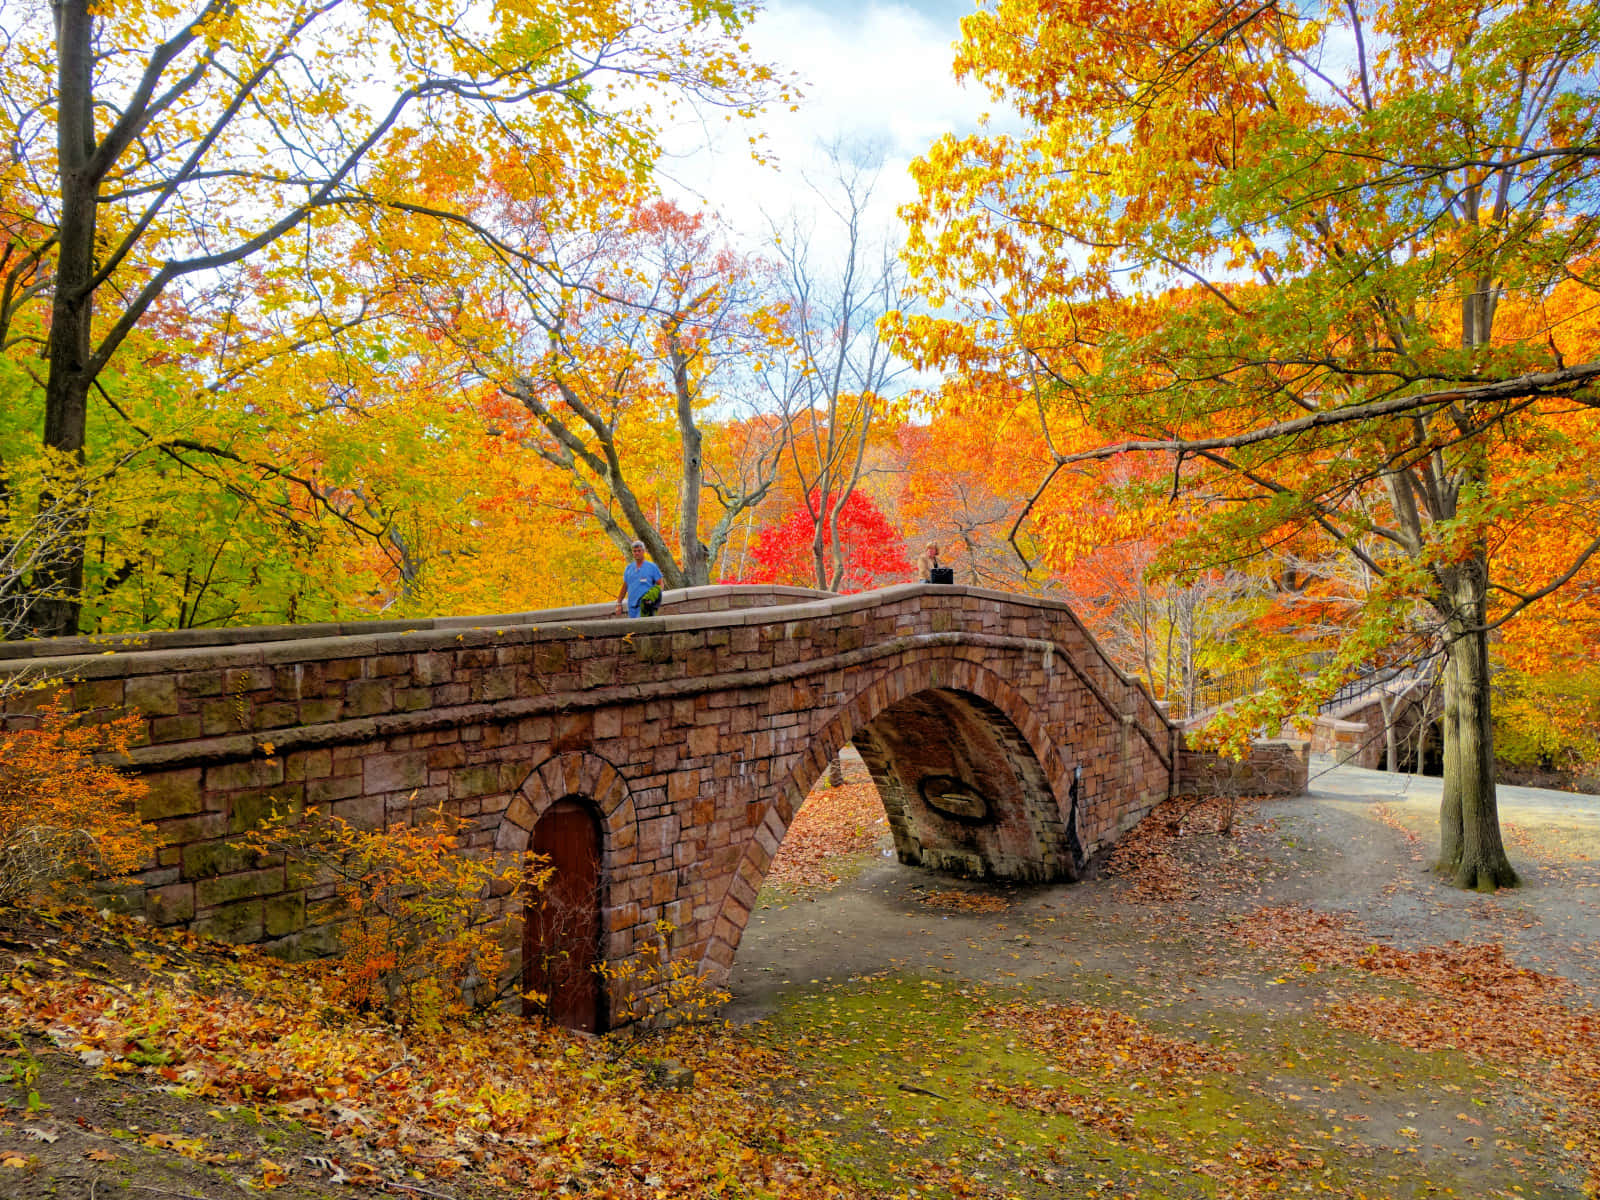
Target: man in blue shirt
x=641 y=575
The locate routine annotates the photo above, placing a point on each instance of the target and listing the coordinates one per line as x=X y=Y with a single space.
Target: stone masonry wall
x=695 y=734
x=1279 y=767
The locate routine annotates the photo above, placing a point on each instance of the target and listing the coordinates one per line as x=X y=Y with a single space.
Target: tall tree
x=157 y=146
x=1273 y=244
x=607 y=333
x=837 y=381
x=960 y=487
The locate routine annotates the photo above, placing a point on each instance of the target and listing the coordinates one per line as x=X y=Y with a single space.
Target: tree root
x=1483 y=876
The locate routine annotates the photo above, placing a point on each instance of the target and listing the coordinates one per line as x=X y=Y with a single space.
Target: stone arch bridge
x=1001 y=739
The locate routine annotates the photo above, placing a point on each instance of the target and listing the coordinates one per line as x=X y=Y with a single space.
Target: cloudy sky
x=873 y=72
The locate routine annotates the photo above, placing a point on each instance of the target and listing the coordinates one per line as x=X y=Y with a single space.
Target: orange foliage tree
x=1289 y=283
x=964 y=475
x=599 y=337
x=65 y=817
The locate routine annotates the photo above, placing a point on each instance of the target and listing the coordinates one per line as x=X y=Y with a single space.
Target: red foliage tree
x=874 y=551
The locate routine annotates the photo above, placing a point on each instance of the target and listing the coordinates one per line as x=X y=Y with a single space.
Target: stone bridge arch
x=954 y=724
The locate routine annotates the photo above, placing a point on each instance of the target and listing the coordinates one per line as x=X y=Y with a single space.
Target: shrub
x=65 y=817
x=420 y=929
x=655 y=991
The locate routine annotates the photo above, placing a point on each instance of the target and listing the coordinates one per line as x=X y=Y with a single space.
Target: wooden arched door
x=561 y=936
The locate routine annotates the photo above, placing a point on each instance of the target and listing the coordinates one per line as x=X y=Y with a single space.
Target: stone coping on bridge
x=682 y=600
x=696 y=608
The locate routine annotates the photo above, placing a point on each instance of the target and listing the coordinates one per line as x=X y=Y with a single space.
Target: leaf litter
x=1134 y=1080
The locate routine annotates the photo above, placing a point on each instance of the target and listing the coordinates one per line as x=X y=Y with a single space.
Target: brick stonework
x=695 y=734
x=1274 y=768
x=1357 y=732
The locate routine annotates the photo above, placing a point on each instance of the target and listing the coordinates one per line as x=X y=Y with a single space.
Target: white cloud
x=876 y=74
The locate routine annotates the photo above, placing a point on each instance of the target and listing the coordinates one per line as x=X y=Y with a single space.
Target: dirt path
x=1385 y=1118
x=1359 y=844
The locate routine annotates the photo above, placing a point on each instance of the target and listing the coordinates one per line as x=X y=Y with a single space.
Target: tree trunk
x=1481 y=862
x=1389 y=706
x=1450 y=800
x=59 y=584
x=696 y=567
x=819 y=532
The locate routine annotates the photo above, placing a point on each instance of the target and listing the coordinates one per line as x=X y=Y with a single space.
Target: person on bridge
x=641 y=585
x=927 y=562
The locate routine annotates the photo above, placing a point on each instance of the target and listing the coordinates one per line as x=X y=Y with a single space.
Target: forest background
x=317 y=312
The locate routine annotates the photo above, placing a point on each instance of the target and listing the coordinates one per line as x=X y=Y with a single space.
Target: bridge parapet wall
x=702 y=729
x=683 y=600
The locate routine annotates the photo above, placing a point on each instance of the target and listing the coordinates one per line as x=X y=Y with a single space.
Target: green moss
x=897 y=1086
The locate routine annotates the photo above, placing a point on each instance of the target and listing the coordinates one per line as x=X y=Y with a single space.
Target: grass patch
x=911 y=1086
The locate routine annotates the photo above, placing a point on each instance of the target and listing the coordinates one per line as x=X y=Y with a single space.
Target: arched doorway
x=561 y=935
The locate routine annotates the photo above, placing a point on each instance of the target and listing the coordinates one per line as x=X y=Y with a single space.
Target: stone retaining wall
x=1277 y=767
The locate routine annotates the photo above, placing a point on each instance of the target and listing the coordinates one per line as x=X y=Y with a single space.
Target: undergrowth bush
x=420 y=929
x=653 y=991
x=65 y=817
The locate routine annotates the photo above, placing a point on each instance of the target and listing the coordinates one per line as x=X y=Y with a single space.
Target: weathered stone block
x=200 y=683
x=682 y=786
x=446 y=758
x=186 y=728
x=202 y=860
x=282 y=915
x=395 y=772
x=432 y=668
x=320 y=712
x=653 y=648
x=364 y=812
x=324 y=791
x=319 y=941
x=240 y=922
x=178 y=832
x=240 y=680
x=171 y=794
x=475 y=781
x=228 y=889
x=598 y=672
x=276 y=715
x=550 y=658
x=154 y=695
x=574 y=731
x=222 y=716
x=364 y=697
x=249 y=773
x=170 y=905
x=246 y=810
x=97 y=693
x=307 y=764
